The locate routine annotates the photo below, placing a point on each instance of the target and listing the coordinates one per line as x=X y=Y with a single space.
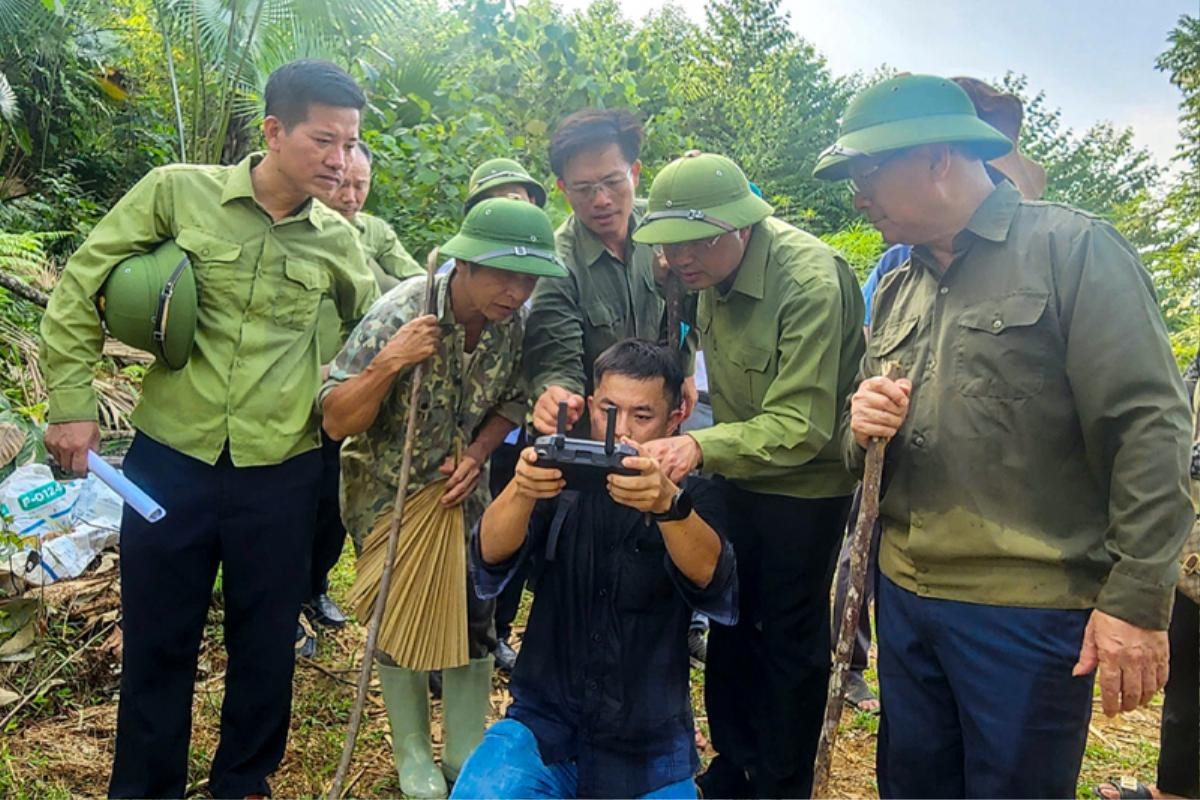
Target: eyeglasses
x=613 y=184
x=861 y=182
x=679 y=248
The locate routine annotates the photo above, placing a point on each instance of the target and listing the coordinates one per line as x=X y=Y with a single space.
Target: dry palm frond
x=424 y=625
x=116 y=400
x=12 y=439
x=130 y=355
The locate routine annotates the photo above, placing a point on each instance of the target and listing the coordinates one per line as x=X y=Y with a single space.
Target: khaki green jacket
x=455 y=399
x=573 y=320
x=1044 y=458
x=390 y=263
x=254 y=370
x=782 y=347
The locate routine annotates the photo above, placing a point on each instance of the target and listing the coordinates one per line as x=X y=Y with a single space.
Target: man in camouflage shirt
x=471 y=393
x=390 y=263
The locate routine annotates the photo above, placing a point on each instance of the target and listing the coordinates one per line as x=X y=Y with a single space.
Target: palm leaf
x=8 y=100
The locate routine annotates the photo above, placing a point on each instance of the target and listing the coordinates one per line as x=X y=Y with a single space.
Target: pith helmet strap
x=693 y=214
x=516 y=250
x=163 y=312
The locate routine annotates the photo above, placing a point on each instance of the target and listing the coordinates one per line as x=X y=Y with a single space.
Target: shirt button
x=932 y=364
x=593 y=685
x=918 y=440
x=997 y=324
x=944 y=290
x=596 y=637
x=603 y=592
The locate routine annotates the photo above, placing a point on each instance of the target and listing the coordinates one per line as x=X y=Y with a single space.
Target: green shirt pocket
x=754 y=363
x=888 y=339
x=204 y=247
x=1000 y=352
x=298 y=297
x=599 y=315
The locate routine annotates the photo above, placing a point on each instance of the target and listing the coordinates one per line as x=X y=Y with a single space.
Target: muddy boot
x=406 y=696
x=466 y=698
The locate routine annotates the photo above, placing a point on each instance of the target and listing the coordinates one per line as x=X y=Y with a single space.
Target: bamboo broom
x=860 y=545
x=425 y=624
x=364 y=673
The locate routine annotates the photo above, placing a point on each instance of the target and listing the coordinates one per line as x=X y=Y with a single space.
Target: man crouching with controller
x=601 y=706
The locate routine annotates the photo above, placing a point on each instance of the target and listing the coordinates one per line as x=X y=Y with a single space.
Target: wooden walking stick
x=364 y=673
x=860 y=546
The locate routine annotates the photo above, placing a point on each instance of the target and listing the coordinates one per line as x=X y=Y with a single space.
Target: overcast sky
x=1093 y=58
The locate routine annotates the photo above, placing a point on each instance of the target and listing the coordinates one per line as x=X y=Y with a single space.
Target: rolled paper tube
x=128 y=491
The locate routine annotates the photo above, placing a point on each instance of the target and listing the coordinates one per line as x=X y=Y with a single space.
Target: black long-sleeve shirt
x=602 y=676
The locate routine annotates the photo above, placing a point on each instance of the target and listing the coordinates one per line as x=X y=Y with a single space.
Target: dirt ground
x=60 y=743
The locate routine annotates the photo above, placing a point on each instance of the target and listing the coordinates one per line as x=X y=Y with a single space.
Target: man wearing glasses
x=780 y=319
x=609 y=293
x=1037 y=486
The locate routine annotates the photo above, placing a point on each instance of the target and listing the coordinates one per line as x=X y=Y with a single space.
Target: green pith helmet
x=149 y=302
x=908 y=111
x=507 y=234
x=497 y=172
x=698 y=196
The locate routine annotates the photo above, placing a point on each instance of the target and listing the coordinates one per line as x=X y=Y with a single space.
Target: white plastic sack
x=70 y=522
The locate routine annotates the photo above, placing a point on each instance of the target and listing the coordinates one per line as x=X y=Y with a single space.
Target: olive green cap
x=908 y=111
x=498 y=172
x=507 y=234
x=698 y=196
x=149 y=302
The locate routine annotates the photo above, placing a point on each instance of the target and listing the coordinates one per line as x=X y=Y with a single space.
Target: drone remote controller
x=583 y=462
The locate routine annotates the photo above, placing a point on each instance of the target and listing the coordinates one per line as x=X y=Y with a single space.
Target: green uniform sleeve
x=354 y=287
x=394 y=259
x=1134 y=419
x=799 y=409
x=72 y=337
x=554 y=337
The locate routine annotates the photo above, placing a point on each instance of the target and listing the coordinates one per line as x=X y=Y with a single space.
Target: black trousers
x=1179 y=753
x=766 y=677
x=330 y=535
x=256 y=524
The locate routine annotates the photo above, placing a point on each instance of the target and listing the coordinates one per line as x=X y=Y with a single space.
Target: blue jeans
x=507 y=765
x=978 y=701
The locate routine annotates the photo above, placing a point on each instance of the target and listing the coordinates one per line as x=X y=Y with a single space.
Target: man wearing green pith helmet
x=780 y=319
x=473 y=392
x=1037 y=496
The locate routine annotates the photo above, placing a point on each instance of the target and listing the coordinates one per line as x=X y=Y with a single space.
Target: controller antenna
x=560 y=434
x=610 y=431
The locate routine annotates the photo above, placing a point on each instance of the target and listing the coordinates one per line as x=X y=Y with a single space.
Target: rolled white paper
x=128 y=491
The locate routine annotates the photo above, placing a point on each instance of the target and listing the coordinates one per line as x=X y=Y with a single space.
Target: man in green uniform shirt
x=472 y=392
x=228 y=443
x=780 y=319
x=390 y=263
x=610 y=292
x=1037 y=462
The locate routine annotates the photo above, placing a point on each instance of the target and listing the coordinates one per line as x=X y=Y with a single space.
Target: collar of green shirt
x=238 y=185
x=590 y=248
x=752 y=272
x=990 y=221
x=995 y=214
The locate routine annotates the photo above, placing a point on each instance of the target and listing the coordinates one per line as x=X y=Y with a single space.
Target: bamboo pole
x=860 y=546
x=364 y=673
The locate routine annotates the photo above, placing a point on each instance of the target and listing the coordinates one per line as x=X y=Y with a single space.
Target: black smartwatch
x=681 y=508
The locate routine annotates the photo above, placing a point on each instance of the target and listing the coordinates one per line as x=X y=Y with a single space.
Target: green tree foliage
x=1170 y=224
x=97 y=93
